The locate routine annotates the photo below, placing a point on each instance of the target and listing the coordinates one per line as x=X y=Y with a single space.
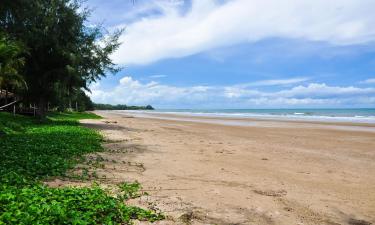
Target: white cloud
x=325 y=91
x=130 y=91
x=210 y=24
x=134 y=92
x=368 y=81
x=276 y=82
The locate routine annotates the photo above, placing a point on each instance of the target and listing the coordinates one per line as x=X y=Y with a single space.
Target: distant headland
x=121 y=107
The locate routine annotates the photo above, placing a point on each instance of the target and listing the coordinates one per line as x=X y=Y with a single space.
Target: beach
x=243 y=171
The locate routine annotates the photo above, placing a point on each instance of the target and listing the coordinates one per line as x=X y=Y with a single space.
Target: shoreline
x=209 y=173
x=248 y=122
x=297 y=116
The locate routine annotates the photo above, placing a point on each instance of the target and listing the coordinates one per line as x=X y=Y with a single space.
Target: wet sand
x=272 y=172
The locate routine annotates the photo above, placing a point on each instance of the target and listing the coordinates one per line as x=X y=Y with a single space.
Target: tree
x=11 y=63
x=65 y=54
x=149 y=107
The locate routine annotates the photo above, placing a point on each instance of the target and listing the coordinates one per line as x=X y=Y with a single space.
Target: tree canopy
x=11 y=62
x=61 y=53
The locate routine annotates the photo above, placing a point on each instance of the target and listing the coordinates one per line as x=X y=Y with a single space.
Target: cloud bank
x=134 y=92
x=368 y=81
x=211 y=24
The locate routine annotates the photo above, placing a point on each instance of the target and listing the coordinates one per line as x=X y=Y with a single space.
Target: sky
x=239 y=53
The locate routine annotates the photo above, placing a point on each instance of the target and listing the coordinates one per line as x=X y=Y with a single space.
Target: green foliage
x=32 y=152
x=130 y=190
x=47 y=150
x=72 y=116
x=84 y=101
x=12 y=124
x=10 y=127
x=121 y=107
x=76 y=100
x=38 y=151
x=38 y=204
x=64 y=54
x=11 y=63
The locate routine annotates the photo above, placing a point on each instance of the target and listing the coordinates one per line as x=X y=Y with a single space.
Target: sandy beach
x=272 y=172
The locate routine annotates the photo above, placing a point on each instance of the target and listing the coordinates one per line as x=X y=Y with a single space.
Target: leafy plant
x=31 y=152
x=130 y=190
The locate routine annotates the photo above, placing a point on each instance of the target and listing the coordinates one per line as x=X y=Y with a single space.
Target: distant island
x=121 y=107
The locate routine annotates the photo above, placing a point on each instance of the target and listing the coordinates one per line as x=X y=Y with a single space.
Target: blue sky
x=240 y=53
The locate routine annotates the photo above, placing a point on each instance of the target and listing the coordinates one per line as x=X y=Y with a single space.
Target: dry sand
x=270 y=173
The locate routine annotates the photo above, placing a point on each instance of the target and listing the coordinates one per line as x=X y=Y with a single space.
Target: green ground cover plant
x=31 y=152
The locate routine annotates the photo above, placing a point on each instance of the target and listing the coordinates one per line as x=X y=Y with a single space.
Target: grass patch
x=31 y=152
x=10 y=124
x=73 y=116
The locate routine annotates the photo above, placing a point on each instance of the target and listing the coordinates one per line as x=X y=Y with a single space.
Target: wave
x=331 y=116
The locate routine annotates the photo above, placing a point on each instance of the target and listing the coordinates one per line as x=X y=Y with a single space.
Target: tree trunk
x=41 y=112
x=6 y=96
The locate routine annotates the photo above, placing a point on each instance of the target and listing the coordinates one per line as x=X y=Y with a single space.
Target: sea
x=358 y=115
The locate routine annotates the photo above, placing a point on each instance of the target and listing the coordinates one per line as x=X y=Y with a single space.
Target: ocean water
x=336 y=115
